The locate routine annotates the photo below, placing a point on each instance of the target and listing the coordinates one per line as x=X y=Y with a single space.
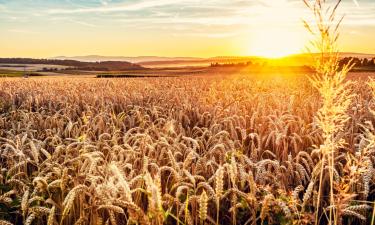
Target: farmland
x=175 y=150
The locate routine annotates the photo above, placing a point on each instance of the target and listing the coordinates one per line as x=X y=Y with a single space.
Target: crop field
x=29 y=67
x=192 y=150
x=10 y=73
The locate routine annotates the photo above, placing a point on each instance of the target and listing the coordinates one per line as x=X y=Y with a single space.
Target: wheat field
x=237 y=150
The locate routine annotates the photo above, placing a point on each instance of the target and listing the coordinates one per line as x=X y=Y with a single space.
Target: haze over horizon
x=185 y=28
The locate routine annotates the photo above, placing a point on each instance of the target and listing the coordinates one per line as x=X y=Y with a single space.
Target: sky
x=200 y=28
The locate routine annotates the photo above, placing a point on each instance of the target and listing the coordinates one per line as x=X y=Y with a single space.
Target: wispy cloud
x=104 y=8
x=83 y=23
x=211 y=12
x=22 y=31
x=356 y=3
x=2 y=8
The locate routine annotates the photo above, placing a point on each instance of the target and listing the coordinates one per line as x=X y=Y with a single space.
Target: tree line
x=358 y=63
x=76 y=65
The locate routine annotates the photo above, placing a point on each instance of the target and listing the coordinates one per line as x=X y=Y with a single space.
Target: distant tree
x=356 y=61
x=371 y=62
x=365 y=62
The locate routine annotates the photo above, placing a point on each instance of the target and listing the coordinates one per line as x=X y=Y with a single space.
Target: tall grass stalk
x=336 y=95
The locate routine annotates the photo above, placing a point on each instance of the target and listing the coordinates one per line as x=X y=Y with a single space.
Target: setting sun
x=275 y=43
x=277 y=31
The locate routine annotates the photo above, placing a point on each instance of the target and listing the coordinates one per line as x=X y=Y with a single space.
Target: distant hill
x=77 y=65
x=199 y=61
x=138 y=59
x=156 y=61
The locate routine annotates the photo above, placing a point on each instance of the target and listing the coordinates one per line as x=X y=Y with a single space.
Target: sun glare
x=275 y=43
x=278 y=31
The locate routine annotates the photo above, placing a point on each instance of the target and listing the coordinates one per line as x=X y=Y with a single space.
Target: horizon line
x=193 y=57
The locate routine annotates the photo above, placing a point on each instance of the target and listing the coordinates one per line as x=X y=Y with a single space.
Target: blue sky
x=44 y=28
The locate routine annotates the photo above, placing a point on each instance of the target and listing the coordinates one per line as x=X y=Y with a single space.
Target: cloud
x=104 y=2
x=211 y=34
x=191 y=13
x=356 y=3
x=23 y=31
x=221 y=17
x=104 y=8
x=83 y=23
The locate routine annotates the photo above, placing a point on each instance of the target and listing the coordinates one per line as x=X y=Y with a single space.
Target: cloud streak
x=212 y=12
x=104 y=8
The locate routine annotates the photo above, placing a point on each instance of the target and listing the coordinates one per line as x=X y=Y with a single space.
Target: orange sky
x=40 y=28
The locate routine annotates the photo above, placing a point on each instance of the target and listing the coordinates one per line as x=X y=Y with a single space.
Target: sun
x=275 y=43
x=277 y=30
